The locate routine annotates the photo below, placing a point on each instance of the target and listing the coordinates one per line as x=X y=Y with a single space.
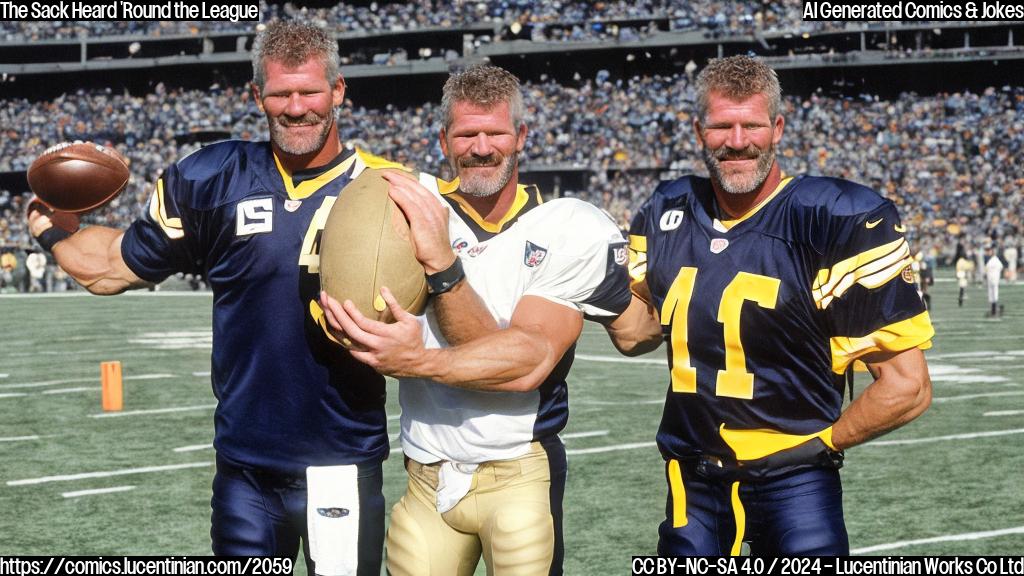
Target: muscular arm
x=515 y=359
x=92 y=257
x=637 y=330
x=901 y=392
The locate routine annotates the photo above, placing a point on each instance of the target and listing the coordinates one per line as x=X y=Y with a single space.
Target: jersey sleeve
x=586 y=267
x=164 y=240
x=637 y=265
x=866 y=288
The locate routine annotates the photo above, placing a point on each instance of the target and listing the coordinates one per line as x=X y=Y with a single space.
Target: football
x=77 y=177
x=365 y=245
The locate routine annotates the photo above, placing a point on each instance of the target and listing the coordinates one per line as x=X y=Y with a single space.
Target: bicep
x=556 y=324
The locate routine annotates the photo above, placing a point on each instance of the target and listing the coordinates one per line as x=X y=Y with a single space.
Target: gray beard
x=482 y=188
x=764 y=166
x=304 y=147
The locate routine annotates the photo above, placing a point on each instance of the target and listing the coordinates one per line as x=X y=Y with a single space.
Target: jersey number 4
x=734 y=381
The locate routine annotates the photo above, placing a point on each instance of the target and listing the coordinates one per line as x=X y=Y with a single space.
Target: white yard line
x=937 y=539
x=942 y=399
x=1004 y=413
x=154 y=411
x=25 y=438
x=107 y=473
x=613 y=448
x=95 y=379
x=95 y=491
x=194 y=448
x=967 y=436
x=619 y=360
x=70 y=390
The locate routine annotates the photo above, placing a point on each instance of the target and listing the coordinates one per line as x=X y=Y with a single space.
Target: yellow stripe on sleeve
x=158 y=212
x=871 y=269
x=897 y=337
x=637 y=266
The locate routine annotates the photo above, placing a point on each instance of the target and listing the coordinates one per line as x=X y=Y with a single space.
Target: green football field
x=77 y=481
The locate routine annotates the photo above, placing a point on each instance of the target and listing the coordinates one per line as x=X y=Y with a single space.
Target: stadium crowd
x=949 y=160
x=559 y=20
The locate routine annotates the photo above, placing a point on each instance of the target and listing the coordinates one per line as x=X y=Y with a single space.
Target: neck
x=494 y=207
x=739 y=205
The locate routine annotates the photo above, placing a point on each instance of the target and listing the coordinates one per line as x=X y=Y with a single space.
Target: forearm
x=891 y=401
x=509 y=360
x=636 y=331
x=92 y=257
x=462 y=315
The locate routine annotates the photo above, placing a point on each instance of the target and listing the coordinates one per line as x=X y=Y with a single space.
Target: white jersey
x=566 y=251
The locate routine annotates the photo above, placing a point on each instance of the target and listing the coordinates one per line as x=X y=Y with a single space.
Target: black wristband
x=51 y=236
x=446 y=279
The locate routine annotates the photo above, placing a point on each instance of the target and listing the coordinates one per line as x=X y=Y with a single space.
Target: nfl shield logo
x=292 y=205
x=719 y=244
x=534 y=255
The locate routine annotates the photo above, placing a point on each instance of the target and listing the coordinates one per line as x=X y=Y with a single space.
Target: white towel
x=332 y=517
x=453 y=483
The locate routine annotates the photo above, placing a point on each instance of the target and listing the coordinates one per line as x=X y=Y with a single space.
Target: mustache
x=475 y=162
x=309 y=119
x=749 y=153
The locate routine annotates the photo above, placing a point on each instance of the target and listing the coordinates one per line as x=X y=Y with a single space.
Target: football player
x=248 y=216
x=482 y=374
x=768 y=287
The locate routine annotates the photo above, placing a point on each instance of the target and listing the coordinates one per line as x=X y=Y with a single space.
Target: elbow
x=635 y=347
x=917 y=398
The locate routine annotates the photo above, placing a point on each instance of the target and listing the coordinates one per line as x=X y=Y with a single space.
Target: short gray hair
x=293 y=44
x=485 y=85
x=738 y=78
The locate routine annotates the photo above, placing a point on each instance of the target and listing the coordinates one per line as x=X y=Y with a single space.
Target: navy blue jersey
x=287 y=397
x=765 y=313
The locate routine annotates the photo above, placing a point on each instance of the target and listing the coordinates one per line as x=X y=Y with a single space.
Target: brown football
x=78 y=176
x=366 y=244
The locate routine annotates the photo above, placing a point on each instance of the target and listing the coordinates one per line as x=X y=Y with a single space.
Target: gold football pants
x=512 y=515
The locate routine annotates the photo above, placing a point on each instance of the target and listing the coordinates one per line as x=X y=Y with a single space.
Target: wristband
x=446 y=279
x=51 y=236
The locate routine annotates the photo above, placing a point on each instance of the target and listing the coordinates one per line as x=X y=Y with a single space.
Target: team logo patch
x=332 y=512
x=671 y=220
x=719 y=244
x=620 y=254
x=907 y=275
x=534 y=255
x=254 y=217
x=459 y=244
x=292 y=205
x=476 y=250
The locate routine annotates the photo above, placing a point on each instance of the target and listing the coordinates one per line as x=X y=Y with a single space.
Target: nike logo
x=873 y=224
x=900 y=228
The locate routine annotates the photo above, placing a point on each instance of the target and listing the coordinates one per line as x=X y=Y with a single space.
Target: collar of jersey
x=307 y=188
x=728 y=224
x=522 y=199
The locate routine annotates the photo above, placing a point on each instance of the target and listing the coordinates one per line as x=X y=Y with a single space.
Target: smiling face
x=737 y=140
x=482 y=145
x=299 y=103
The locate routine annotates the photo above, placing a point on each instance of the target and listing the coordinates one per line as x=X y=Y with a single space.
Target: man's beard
x=742 y=183
x=481 y=186
x=297 y=145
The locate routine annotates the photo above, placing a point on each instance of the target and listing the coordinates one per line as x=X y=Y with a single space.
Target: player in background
x=482 y=373
x=993 y=275
x=964 y=269
x=247 y=216
x=768 y=288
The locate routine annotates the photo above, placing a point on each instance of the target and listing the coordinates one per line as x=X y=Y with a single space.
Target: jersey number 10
x=734 y=381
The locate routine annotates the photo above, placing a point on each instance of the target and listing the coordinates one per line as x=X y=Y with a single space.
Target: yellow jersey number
x=309 y=255
x=734 y=381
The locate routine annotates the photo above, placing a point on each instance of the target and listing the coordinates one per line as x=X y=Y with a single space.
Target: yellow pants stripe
x=741 y=519
x=675 y=480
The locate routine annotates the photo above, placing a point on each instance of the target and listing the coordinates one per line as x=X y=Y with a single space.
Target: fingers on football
x=400 y=314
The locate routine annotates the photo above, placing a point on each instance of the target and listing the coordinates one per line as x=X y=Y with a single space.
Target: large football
x=77 y=176
x=366 y=244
